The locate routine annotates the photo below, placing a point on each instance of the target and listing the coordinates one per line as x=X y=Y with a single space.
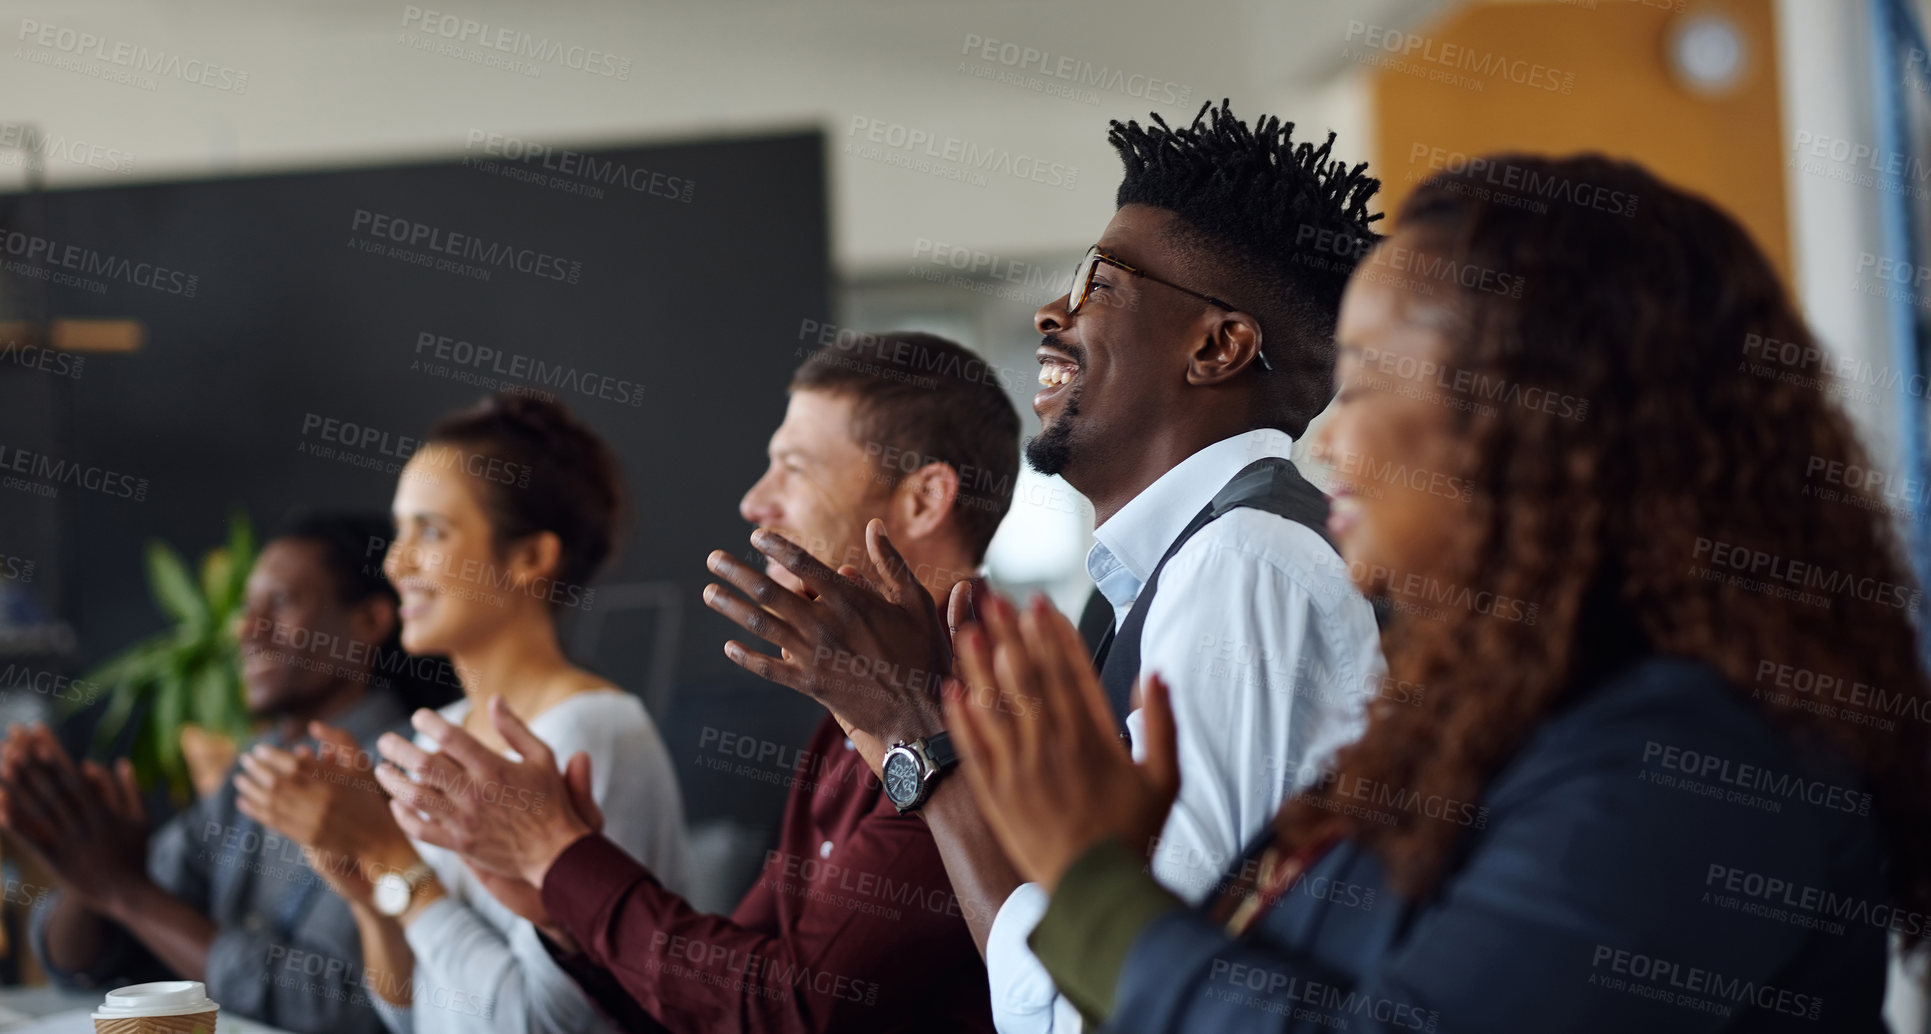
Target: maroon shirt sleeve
x=603 y=989
x=861 y=935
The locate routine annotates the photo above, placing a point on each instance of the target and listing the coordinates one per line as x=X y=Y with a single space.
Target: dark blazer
x=1657 y=857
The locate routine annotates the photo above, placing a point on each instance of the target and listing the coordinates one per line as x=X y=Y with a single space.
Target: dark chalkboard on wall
x=304 y=328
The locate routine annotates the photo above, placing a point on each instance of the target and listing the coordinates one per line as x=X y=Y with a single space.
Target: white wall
x=1826 y=55
x=1827 y=97
x=334 y=82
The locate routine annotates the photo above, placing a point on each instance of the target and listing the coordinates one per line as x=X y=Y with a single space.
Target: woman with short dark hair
x=502 y=517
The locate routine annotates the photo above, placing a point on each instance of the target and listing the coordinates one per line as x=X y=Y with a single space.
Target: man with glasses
x=1195 y=344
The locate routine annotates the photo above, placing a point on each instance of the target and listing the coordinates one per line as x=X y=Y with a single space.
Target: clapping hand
x=1040 y=747
x=329 y=802
x=526 y=899
x=512 y=818
x=89 y=827
x=875 y=656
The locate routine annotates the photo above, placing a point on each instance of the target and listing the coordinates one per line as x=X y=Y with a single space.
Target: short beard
x=1049 y=451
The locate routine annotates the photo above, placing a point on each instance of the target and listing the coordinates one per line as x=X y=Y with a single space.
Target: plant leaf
x=217 y=582
x=173 y=589
x=216 y=698
x=241 y=553
x=134 y=664
x=120 y=707
x=193 y=669
x=127 y=678
x=233 y=718
x=170 y=710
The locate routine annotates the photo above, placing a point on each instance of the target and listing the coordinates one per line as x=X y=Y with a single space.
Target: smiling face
x=1115 y=366
x=455 y=588
x=297 y=635
x=1397 y=490
x=820 y=489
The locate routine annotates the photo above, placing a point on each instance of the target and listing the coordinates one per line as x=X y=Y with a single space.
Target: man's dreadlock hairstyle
x=1284 y=219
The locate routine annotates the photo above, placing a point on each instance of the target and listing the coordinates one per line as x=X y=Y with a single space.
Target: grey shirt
x=286 y=951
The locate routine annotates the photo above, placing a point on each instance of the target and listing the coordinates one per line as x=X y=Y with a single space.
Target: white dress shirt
x=1268 y=652
x=481 y=967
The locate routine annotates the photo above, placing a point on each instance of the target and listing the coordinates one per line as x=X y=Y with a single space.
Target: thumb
x=1162 y=764
x=959 y=605
x=577 y=777
x=893 y=571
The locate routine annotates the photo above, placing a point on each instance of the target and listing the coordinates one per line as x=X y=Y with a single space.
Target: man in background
x=212 y=896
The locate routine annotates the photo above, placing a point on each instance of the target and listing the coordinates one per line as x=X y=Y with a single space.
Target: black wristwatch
x=910 y=769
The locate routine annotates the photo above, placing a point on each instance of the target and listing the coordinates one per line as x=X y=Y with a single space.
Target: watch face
x=901 y=777
x=391 y=894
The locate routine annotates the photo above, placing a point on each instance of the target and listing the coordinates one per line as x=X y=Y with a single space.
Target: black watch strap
x=938 y=747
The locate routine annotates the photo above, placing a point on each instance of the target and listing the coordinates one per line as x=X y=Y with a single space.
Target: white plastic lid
x=161 y=998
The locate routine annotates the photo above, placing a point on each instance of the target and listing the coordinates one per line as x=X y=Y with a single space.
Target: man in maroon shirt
x=853 y=924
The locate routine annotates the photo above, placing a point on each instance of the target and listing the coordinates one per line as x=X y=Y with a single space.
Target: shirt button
x=824 y=849
x=849 y=745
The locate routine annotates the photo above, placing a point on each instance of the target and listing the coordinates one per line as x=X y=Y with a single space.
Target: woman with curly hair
x=1659 y=759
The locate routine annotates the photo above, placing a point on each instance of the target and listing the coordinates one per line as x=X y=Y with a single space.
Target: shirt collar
x=1126 y=548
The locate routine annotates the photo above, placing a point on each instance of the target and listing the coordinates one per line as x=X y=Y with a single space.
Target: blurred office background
x=806 y=168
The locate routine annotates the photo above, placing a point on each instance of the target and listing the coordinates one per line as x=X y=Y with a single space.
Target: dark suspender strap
x=1096 y=624
x=1121 y=667
x=1272 y=484
x=1106 y=643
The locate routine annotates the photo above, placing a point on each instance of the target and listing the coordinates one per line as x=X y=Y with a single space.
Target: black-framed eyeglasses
x=1083 y=287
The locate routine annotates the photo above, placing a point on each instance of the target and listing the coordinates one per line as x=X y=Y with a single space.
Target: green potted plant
x=188 y=674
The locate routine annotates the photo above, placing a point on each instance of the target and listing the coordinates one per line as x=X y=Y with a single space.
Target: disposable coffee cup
x=163 y=1007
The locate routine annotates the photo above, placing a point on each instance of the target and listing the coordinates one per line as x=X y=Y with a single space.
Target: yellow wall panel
x=1557 y=78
